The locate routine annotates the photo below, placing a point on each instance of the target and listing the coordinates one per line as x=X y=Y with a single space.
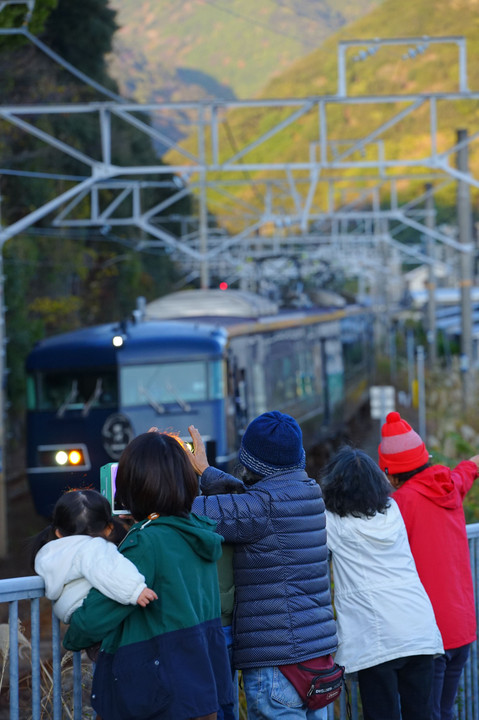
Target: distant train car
x=208 y=358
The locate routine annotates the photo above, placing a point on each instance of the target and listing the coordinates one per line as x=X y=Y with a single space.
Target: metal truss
x=249 y=203
x=334 y=205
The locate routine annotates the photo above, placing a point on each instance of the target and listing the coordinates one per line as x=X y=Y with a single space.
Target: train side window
x=216 y=380
x=305 y=386
x=288 y=374
x=71 y=390
x=31 y=399
x=334 y=371
x=317 y=371
x=259 y=387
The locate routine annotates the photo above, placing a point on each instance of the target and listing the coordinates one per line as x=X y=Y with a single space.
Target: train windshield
x=179 y=383
x=72 y=390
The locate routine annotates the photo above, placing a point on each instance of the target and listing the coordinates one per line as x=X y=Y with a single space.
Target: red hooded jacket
x=431 y=505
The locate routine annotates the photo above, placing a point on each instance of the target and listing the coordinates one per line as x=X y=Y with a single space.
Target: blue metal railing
x=56 y=679
x=42 y=680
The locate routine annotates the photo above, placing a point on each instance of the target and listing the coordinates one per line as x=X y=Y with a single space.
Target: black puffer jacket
x=283 y=610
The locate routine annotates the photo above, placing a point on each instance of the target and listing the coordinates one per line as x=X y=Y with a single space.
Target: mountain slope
x=388 y=71
x=391 y=70
x=169 y=51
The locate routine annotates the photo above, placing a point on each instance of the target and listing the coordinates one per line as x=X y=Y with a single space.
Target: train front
x=89 y=392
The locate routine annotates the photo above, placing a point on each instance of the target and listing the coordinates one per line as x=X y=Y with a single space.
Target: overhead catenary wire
x=253 y=21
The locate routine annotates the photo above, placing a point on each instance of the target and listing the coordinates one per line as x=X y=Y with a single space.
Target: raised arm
x=198 y=457
x=475 y=460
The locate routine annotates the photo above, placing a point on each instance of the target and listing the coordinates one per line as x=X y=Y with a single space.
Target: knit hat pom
x=272 y=442
x=401 y=449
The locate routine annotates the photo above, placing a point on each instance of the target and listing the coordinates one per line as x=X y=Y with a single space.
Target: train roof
x=237 y=311
x=216 y=304
x=181 y=324
x=93 y=346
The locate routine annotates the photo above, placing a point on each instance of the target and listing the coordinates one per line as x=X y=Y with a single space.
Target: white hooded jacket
x=70 y=566
x=383 y=611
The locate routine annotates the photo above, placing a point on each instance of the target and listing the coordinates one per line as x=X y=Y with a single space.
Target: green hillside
x=386 y=72
x=167 y=50
x=435 y=70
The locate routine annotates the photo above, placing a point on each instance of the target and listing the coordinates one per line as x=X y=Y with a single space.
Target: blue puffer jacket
x=283 y=611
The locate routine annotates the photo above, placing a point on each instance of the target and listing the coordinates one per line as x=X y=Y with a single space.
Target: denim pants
x=230 y=712
x=447 y=673
x=269 y=695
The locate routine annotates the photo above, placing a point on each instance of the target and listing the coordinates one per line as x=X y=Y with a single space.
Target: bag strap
x=315 y=671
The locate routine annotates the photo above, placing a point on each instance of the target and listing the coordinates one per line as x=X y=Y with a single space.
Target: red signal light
x=223 y=285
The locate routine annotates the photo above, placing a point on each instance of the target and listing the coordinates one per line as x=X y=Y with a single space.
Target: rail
x=40 y=681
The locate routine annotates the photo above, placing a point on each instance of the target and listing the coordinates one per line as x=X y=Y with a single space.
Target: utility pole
x=3 y=479
x=421 y=392
x=431 y=304
x=464 y=220
x=203 y=210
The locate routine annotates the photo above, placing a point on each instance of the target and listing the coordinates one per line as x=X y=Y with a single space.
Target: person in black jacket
x=274 y=516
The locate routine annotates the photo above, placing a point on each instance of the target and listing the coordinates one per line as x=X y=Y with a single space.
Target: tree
x=82 y=33
x=54 y=281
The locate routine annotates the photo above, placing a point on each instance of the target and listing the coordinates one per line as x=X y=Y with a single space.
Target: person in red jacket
x=430 y=499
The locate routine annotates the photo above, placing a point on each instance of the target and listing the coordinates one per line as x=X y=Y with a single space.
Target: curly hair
x=353 y=484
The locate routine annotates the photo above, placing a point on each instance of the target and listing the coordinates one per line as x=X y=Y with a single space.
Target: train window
x=305 y=380
x=259 y=389
x=174 y=382
x=335 y=371
x=354 y=357
x=216 y=380
x=293 y=377
x=71 y=390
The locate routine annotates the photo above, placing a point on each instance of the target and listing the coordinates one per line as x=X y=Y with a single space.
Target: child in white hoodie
x=76 y=552
x=386 y=626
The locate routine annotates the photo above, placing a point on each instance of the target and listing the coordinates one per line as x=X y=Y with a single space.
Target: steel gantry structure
x=338 y=201
x=249 y=208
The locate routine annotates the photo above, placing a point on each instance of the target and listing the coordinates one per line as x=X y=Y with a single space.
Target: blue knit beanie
x=271 y=443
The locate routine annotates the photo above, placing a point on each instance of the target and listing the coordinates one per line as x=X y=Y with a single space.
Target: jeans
x=269 y=695
x=447 y=673
x=230 y=712
x=399 y=688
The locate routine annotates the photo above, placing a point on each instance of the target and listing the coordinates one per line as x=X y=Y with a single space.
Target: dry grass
x=46 y=680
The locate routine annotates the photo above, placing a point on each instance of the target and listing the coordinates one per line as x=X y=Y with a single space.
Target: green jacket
x=227 y=585
x=145 y=651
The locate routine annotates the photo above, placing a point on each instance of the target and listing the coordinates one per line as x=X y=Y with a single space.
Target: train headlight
x=61 y=457
x=75 y=457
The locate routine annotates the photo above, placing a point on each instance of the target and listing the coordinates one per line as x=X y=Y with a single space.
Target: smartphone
x=188 y=445
x=108 y=488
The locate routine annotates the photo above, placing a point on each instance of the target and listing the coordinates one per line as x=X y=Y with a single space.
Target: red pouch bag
x=318 y=682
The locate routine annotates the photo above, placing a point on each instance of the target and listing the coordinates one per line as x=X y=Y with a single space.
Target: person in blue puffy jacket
x=274 y=516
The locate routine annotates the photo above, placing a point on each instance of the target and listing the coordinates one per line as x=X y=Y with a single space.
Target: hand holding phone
x=198 y=457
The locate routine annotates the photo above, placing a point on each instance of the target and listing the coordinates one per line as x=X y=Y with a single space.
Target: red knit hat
x=401 y=449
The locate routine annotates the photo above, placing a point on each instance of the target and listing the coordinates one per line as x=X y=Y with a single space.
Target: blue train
x=209 y=358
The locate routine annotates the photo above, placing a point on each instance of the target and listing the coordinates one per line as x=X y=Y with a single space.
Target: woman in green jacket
x=167 y=661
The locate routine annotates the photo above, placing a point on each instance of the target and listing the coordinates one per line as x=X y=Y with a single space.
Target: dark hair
x=246 y=475
x=353 y=484
x=77 y=512
x=402 y=477
x=155 y=476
